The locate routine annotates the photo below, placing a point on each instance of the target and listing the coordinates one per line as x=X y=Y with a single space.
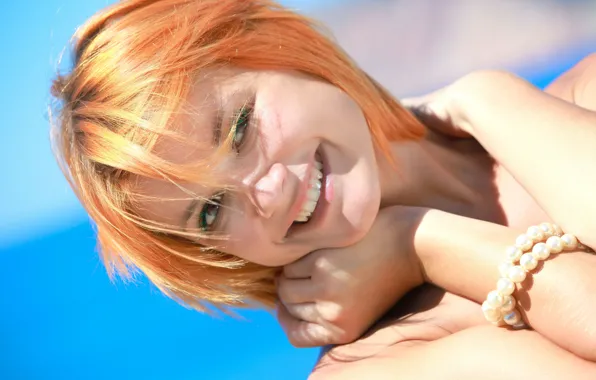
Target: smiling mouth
x=313 y=193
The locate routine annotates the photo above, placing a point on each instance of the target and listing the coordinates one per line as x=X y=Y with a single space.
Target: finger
x=307 y=312
x=302 y=268
x=292 y=291
x=301 y=333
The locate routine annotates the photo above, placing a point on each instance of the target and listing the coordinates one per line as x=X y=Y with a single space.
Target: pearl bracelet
x=537 y=244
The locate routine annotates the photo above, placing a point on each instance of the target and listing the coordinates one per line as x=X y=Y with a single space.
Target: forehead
x=189 y=139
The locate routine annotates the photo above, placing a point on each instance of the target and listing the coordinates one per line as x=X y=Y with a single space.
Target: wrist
x=406 y=220
x=426 y=244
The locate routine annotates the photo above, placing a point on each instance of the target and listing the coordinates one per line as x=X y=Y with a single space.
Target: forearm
x=547 y=144
x=462 y=255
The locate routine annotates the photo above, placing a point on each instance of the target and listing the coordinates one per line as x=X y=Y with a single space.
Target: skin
x=294 y=117
x=458 y=177
x=443 y=331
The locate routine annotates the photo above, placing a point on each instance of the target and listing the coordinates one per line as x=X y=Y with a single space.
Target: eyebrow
x=188 y=212
x=217 y=125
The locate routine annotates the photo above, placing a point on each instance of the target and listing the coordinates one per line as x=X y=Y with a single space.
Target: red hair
x=134 y=64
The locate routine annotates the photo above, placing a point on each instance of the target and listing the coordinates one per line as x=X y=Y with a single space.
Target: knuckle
x=321 y=265
x=330 y=311
x=296 y=342
x=289 y=270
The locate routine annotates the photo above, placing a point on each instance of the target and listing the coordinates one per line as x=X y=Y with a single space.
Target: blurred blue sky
x=61 y=318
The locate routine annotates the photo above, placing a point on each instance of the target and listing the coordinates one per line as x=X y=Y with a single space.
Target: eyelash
x=242 y=119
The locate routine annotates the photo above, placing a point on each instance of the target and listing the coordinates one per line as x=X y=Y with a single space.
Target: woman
x=413 y=334
x=214 y=142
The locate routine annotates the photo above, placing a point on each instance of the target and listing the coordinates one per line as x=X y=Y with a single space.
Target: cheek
x=257 y=252
x=247 y=241
x=289 y=112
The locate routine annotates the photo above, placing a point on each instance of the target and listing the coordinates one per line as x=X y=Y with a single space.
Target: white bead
x=512 y=318
x=505 y=286
x=535 y=233
x=512 y=254
x=508 y=304
x=491 y=314
x=517 y=274
x=569 y=242
x=528 y=262
x=504 y=268
x=558 y=230
x=547 y=229
x=494 y=299
x=555 y=244
x=541 y=251
x=523 y=242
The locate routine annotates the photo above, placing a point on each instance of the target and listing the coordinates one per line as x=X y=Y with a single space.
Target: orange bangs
x=134 y=65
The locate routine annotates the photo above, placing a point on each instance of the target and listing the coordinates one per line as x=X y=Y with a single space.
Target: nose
x=268 y=194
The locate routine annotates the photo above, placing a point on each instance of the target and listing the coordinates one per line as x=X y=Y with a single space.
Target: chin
x=356 y=228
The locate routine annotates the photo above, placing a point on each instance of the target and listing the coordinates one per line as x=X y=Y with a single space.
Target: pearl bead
x=541 y=251
x=535 y=233
x=494 y=299
x=517 y=274
x=555 y=244
x=569 y=242
x=508 y=304
x=505 y=286
x=512 y=254
x=547 y=229
x=523 y=242
x=528 y=262
x=491 y=314
x=512 y=318
x=558 y=230
x=504 y=268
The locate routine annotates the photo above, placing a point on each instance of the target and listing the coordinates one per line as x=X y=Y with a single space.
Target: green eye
x=240 y=125
x=209 y=212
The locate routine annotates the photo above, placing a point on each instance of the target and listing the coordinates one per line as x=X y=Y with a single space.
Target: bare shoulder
x=578 y=84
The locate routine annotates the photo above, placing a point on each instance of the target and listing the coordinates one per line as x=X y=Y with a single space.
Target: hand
x=333 y=296
x=440 y=111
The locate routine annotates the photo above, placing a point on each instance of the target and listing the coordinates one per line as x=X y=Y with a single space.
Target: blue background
x=60 y=317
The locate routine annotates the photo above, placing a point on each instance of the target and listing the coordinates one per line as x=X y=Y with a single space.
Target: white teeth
x=313 y=193
x=315 y=183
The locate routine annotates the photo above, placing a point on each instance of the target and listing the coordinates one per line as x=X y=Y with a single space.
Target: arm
x=547 y=144
x=476 y=353
x=578 y=85
x=558 y=300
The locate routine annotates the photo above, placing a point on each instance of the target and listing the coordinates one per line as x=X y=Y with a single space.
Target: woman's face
x=301 y=151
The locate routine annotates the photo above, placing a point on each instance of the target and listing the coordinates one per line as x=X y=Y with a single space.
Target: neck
x=425 y=176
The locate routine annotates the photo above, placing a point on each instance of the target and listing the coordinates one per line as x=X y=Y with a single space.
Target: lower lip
x=329 y=192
